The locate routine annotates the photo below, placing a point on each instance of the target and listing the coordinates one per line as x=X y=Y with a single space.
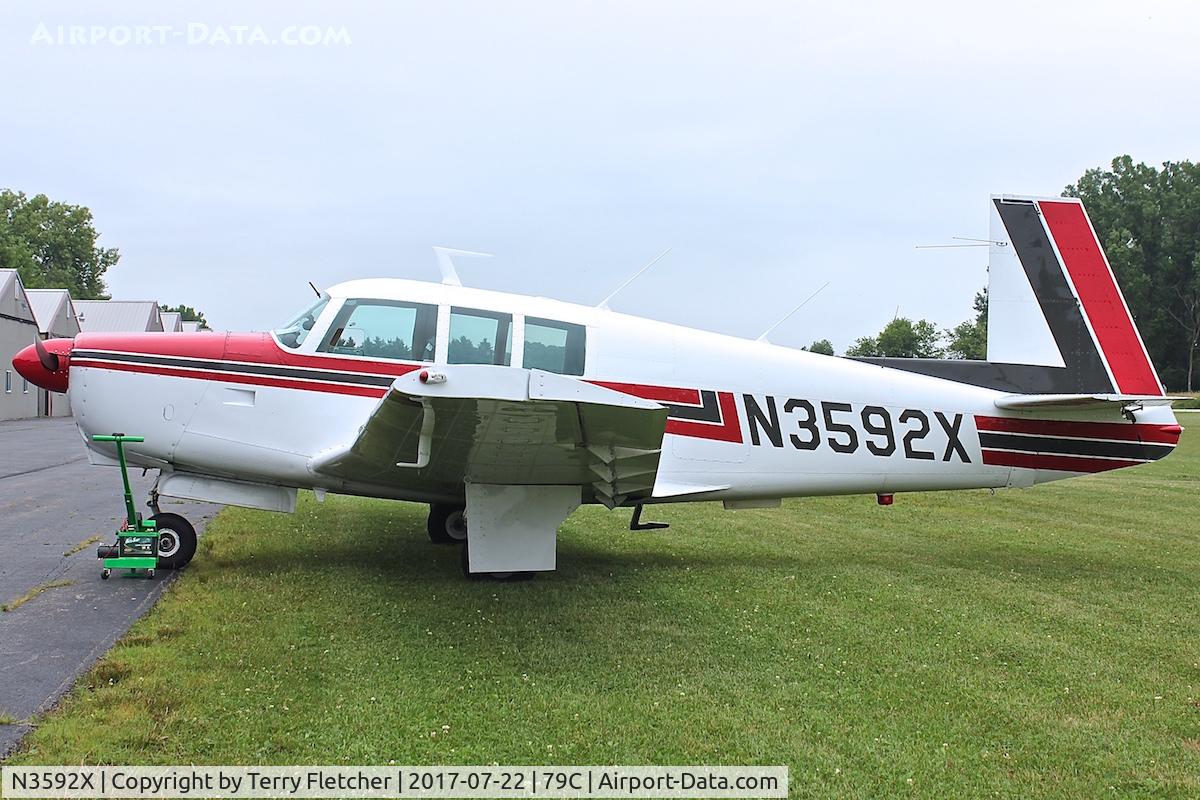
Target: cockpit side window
x=296 y=330
x=555 y=346
x=383 y=329
x=480 y=337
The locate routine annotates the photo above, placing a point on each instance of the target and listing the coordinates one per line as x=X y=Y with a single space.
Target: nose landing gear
x=166 y=541
x=176 y=540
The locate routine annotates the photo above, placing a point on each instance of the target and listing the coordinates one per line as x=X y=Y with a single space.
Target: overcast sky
x=772 y=146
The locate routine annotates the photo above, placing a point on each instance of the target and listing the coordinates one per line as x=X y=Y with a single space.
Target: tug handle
x=131 y=514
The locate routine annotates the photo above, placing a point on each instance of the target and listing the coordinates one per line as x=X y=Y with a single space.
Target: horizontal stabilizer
x=1081 y=402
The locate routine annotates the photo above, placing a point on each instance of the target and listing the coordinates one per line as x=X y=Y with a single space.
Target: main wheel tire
x=176 y=541
x=447 y=524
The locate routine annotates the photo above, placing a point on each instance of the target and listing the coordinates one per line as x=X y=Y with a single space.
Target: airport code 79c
x=844 y=430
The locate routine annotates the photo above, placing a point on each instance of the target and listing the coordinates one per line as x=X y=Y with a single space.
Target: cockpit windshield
x=296 y=330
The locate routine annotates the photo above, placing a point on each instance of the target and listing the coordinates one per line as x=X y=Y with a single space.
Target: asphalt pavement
x=51 y=500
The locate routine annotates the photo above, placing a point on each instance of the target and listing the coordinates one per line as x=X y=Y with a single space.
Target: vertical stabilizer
x=1057 y=321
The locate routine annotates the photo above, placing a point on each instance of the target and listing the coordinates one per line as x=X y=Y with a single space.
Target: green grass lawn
x=1043 y=642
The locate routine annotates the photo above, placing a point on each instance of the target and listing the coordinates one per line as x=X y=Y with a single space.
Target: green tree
x=901 y=338
x=864 y=347
x=1149 y=223
x=187 y=314
x=968 y=339
x=53 y=245
x=822 y=346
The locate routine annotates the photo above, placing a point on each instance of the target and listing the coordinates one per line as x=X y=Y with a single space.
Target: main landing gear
x=447 y=524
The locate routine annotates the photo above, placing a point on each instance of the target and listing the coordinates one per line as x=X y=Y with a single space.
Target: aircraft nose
x=46 y=364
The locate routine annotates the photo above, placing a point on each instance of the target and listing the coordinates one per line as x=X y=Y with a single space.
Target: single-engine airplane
x=505 y=413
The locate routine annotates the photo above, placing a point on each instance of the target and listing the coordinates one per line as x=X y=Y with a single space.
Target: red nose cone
x=48 y=369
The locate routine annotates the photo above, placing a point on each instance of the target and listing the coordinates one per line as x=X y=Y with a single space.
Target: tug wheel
x=176 y=541
x=447 y=524
x=104 y=573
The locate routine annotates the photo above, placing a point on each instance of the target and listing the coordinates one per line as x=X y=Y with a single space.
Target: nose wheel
x=176 y=540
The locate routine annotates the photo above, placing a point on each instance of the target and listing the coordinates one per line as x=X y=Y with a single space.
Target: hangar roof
x=118 y=316
x=54 y=311
x=14 y=302
x=172 y=321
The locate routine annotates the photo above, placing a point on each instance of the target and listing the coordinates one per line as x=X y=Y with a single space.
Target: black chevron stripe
x=1132 y=451
x=709 y=409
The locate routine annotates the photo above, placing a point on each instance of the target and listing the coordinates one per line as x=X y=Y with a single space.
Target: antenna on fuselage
x=604 y=303
x=788 y=315
x=446 y=264
x=313 y=286
x=974 y=243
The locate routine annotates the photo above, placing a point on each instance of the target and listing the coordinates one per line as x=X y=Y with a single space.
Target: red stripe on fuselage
x=261 y=348
x=1139 y=432
x=659 y=394
x=255 y=348
x=1005 y=458
x=1101 y=299
x=730 y=429
x=225 y=377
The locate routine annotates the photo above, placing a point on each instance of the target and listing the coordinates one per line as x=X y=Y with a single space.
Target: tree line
x=903 y=338
x=54 y=245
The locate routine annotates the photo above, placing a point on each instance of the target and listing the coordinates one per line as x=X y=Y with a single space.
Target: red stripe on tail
x=1120 y=431
x=1102 y=302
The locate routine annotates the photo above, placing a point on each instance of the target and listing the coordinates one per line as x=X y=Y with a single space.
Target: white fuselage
x=749 y=420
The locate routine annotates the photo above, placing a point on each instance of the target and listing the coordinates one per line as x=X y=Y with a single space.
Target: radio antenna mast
x=446 y=264
x=604 y=303
x=788 y=315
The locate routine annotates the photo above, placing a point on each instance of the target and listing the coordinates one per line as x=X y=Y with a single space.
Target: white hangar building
x=18 y=330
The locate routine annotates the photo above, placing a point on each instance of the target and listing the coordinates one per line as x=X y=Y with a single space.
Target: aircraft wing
x=1080 y=402
x=439 y=427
